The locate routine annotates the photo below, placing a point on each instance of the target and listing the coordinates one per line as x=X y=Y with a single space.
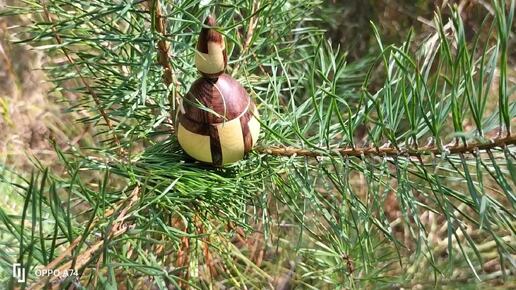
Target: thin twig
x=83 y=80
x=183 y=254
x=389 y=151
x=169 y=76
x=250 y=32
x=208 y=257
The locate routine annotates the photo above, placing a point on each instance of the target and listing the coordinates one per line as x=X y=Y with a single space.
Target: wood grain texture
x=211 y=64
x=246 y=132
x=254 y=125
x=211 y=58
x=217 y=119
x=231 y=141
x=219 y=143
x=193 y=126
x=195 y=145
x=215 y=146
x=208 y=33
x=224 y=96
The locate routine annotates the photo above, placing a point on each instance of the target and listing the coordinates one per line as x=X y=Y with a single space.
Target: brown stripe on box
x=215 y=147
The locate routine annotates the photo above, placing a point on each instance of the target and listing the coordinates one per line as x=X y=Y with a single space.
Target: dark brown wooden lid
x=224 y=95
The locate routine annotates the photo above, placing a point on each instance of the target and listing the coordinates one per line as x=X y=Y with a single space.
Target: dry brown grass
x=30 y=116
x=26 y=110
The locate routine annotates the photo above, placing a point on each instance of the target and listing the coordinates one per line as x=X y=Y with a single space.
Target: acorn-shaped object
x=217 y=119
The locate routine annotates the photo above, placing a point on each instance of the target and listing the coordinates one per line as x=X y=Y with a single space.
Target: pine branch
x=83 y=80
x=349 y=218
x=250 y=32
x=169 y=76
x=390 y=151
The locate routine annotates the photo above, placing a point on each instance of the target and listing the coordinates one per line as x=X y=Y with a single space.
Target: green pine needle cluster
x=130 y=210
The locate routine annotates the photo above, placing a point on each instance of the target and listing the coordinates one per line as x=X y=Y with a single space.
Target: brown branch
x=250 y=32
x=83 y=80
x=389 y=151
x=169 y=79
x=252 y=25
x=208 y=257
x=183 y=253
x=169 y=76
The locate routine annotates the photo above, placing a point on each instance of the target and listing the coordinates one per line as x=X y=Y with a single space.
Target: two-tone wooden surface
x=210 y=57
x=217 y=122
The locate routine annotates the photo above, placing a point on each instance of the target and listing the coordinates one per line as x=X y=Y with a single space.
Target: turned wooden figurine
x=217 y=121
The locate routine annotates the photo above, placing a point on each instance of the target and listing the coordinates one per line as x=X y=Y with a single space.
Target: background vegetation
x=386 y=158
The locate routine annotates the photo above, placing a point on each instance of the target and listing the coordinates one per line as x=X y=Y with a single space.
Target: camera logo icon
x=18 y=272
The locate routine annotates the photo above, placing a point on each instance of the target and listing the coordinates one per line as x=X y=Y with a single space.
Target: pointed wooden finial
x=210 y=57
